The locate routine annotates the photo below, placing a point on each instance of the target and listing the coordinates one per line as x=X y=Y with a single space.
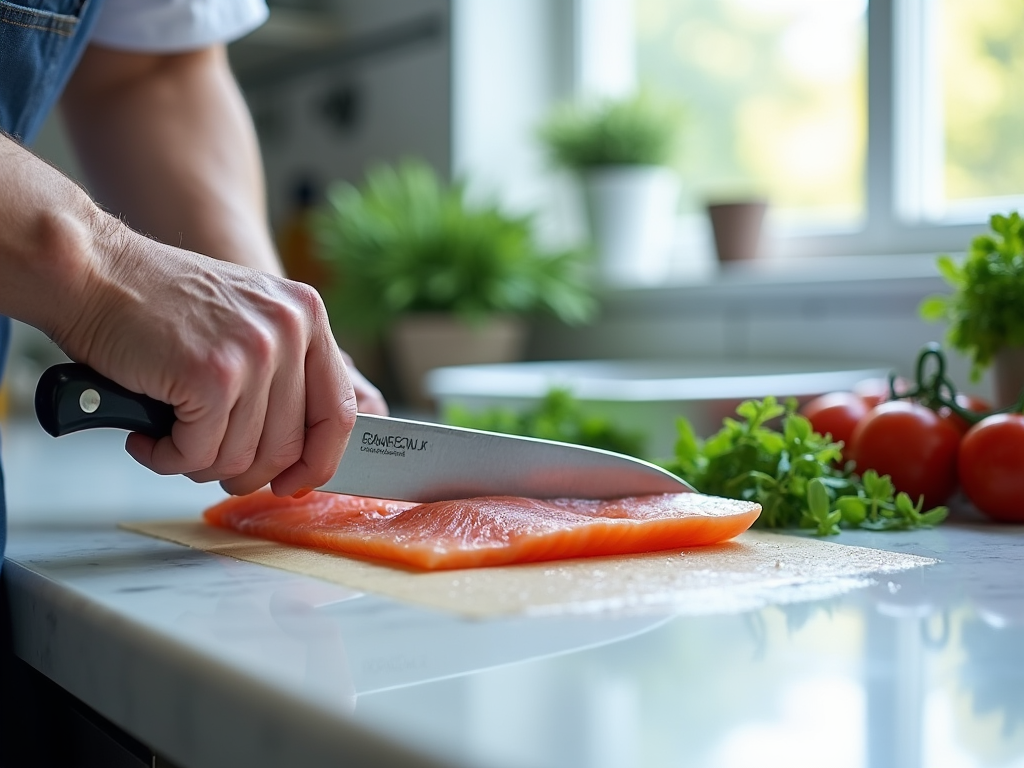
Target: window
x=888 y=126
x=775 y=99
x=961 y=135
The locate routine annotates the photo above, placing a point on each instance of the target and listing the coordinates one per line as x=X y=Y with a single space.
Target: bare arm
x=260 y=390
x=168 y=144
x=166 y=141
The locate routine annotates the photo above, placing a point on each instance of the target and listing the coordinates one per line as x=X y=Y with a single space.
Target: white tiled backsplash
x=864 y=321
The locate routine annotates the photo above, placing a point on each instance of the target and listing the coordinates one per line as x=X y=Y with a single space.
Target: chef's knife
x=386 y=457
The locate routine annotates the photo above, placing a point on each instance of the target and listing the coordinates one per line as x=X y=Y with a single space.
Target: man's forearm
x=246 y=359
x=167 y=142
x=49 y=232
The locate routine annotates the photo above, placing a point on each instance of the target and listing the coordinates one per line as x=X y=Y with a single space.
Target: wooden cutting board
x=755 y=569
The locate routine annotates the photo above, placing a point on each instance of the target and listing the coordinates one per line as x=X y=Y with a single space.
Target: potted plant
x=622 y=149
x=985 y=312
x=440 y=281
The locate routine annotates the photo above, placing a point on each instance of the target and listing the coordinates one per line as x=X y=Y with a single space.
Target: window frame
x=897 y=219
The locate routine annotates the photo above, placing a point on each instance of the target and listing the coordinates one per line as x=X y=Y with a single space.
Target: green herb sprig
x=638 y=130
x=405 y=241
x=985 y=312
x=795 y=475
x=559 y=416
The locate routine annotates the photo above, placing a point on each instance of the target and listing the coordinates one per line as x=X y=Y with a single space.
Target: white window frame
x=905 y=211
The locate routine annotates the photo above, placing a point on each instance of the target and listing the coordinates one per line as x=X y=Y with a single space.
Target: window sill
x=697 y=284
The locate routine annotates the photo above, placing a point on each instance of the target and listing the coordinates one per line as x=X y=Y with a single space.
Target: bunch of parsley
x=985 y=311
x=796 y=474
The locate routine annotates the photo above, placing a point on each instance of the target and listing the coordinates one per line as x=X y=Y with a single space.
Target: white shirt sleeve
x=172 y=26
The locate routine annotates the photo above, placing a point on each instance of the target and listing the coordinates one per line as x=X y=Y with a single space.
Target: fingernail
x=302 y=492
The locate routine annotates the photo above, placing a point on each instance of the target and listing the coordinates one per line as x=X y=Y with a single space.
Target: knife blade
x=386 y=457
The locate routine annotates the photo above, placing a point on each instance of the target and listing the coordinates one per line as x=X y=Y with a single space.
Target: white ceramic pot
x=420 y=342
x=632 y=217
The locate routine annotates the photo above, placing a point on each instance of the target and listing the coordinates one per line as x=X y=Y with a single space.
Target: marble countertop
x=215 y=662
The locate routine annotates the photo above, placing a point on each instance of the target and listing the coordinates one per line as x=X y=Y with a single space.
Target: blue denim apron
x=40 y=44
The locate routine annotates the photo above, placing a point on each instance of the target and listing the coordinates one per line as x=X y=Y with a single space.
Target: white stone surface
x=214 y=662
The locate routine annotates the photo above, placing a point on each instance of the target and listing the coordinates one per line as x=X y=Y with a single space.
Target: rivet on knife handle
x=71 y=397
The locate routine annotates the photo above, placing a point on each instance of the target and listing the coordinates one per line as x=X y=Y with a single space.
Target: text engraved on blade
x=391 y=445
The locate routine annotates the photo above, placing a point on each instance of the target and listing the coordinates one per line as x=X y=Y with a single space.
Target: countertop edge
x=207 y=715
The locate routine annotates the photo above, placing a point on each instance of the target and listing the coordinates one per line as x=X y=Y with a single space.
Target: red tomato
x=836 y=414
x=973 y=403
x=911 y=443
x=991 y=465
x=968 y=403
x=875 y=391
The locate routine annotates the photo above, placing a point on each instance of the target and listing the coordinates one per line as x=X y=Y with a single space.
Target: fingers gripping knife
x=386 y=457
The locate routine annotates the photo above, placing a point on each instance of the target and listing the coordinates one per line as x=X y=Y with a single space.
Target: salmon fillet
x=486 y=531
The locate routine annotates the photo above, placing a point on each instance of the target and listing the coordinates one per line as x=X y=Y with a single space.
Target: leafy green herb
x=985 y=311
x=795 y=475
x=407 y=242
x=639 y=130
x=557 y=417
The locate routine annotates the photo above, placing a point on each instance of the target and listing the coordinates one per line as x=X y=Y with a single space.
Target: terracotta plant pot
x=1008 y=370
x=424 y=341
x=737 y=229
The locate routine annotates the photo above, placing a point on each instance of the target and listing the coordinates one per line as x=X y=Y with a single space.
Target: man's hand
x=247 y=359
x=259 y=387
x=168 y=145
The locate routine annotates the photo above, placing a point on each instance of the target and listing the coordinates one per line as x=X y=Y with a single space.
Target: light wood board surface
x=755 y=569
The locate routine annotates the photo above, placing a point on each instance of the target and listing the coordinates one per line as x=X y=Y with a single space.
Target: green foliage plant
x=985 y=312
x=638 y=130
x=794 y=474
x=407 y=242
x=558 y=416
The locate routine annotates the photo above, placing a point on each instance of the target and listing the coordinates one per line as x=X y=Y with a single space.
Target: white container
x=632 y=216
x=647 y=396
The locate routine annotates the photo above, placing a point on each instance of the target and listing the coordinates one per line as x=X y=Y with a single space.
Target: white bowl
x=647 y=395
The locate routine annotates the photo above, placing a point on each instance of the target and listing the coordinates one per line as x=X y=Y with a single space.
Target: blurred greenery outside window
x=779 y=91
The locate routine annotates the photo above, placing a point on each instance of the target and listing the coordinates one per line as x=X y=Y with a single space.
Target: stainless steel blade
x=406 y=460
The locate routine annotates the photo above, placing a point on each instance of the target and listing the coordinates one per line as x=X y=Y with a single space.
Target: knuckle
x=232 y=467
x=261 y=348
x=287 y=453
x=235 y=464
x=347 y=411
x=201 y=462
x=305 y=310
x=221 y=368
x=309 y=298
x=321 y=474
x=241 y=486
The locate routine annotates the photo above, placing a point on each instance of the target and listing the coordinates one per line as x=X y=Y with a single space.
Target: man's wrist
x=87 y=249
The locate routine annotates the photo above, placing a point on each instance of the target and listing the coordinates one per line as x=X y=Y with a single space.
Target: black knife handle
x=71 y=397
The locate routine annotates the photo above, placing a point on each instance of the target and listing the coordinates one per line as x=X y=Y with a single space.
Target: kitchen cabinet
x=335 y=88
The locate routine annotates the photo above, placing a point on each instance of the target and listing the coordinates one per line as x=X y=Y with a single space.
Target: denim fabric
x=40 y=43
x=5 y=336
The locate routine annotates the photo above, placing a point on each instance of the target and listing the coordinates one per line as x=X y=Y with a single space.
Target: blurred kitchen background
x=880 y=133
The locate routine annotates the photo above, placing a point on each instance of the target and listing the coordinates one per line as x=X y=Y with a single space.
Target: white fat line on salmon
x=397 y=442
